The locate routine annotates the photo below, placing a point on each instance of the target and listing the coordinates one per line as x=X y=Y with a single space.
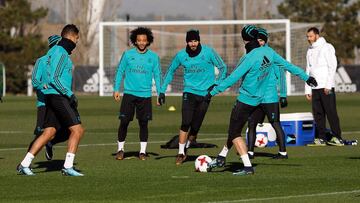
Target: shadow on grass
x=354 y=157
x=53 y=165
x=189 y=158
x=230 y=167
x=135 y=154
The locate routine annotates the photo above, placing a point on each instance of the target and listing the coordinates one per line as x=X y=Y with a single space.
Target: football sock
x=27 y=160
x=187 y=144
x=121 y=146
x=224 y=151
x=69 y=160
x=283 y=153
x=143 y=147
x=181 y=148
x=246 y=161
x=251 y=153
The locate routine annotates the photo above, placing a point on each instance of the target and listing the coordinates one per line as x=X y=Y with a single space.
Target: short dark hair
x=141 y=31
x=314 y=30
x=69 y=28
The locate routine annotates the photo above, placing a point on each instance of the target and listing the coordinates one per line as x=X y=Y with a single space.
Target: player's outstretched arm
x=175 y=63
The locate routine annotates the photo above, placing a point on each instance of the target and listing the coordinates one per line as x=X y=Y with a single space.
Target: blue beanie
x=249 y=32
x=262 y=34
x=53 y=39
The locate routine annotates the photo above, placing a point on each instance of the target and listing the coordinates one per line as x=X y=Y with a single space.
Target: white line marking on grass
x=111 y=144
x=289 y=197
x=180 y=177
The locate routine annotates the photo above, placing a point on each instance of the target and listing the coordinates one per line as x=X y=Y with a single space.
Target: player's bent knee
x=232 y=136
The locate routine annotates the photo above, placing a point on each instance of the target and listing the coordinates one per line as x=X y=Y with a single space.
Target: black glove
x=161 y=98
x=73 y=101
x=211 y=87
x=207 y=98
x=311 y=82
x=283 y=102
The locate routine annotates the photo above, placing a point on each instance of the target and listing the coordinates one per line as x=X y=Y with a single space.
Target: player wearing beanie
x=198 y=62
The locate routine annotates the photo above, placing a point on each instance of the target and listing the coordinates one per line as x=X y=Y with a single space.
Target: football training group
x=262 y=90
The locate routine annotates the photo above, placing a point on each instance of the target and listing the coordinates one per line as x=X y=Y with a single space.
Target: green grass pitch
x=311 y=174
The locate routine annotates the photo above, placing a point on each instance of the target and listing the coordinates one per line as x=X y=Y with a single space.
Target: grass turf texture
x=316 y=174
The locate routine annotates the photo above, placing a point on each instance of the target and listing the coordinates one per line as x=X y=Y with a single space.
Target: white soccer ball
x=202 y=163
x=261 y=140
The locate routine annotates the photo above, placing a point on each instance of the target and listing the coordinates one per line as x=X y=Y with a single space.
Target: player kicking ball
x=61 y=103
x=254 y=70
x=38 y=81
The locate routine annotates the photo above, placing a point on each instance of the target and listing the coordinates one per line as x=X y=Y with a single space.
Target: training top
x=37 y=80
x=254 y=69
x=138 y=70
x=58 y=75
x=199 y=72
x=277 y=80
x=321 y=64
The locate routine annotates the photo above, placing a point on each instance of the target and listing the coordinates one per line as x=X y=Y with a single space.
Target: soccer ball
x=261 y=140
x=202 y=163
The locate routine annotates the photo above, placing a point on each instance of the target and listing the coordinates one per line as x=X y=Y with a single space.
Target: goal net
x=169 y=38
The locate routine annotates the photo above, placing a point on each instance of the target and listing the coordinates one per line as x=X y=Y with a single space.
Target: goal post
x=2 y=80
x=169 y=37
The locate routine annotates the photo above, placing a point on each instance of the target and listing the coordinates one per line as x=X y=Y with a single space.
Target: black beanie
x=249 y=33
x=192 y=35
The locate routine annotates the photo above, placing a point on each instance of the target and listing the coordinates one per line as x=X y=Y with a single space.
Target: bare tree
x=87 y=14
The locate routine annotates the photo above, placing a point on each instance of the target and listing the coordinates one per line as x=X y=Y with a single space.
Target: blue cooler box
x=299 y=128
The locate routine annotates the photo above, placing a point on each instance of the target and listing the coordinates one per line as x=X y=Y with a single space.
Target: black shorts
x=193 y=109
x=59 y=112
x=239 y=116
x=142 y=105
x=257 y=116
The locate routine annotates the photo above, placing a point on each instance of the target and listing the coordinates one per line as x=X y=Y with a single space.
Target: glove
x=161 y=98
x=207 y=98
x=211 y=87
x=283 y=102
x=73 y=101
x=311 y=82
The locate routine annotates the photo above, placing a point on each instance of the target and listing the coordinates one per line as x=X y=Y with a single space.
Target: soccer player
x=198 y=62
x=61 y=103
x=254 y=70
x=270 y=104
x=37 y=82
x=138 y=66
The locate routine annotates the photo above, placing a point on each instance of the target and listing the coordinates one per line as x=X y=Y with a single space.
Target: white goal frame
x=210 y=22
